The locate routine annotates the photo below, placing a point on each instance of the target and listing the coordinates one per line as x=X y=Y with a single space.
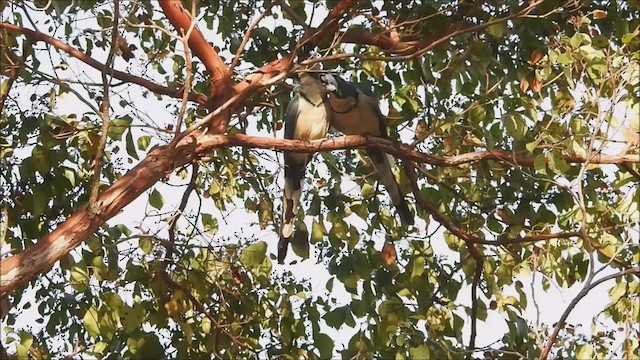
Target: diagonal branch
x=13 y=75
x=560 y=324
x=182 y=20
x=35 y=36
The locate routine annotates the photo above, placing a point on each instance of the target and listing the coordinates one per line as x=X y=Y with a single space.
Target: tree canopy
x=515 y=125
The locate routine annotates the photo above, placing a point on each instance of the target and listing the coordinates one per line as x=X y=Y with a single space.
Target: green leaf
x=91 y=322
x=146 y=244
x=339 y=230
x=26 y=341
x=155 y=199
x=318 y=232
x=617 y=292
x=565 y=58
x=132 y=317
x=478 y=114
x=70 y=175
x=40 y=201
x=454 y=242
x=100 y=348
x=540 y=164
x=79 y=277
x=516 y=126
x=325 y=345
x=557 y=163
x=532 y=145
x=575 y=40
x=300 y=242
x=131 y=149
x=265 y=212
x=353 y=237
x=118 y=127
x=40 y=158
x=626 y=38
x=254 y=255
x=336 y=317
x=497 y=30
x=585 y=352
x=420 y=352
x=418 y=267
x=144 y=142
x=146 y=346
x=214 y=188
x=209 y=223
x=367 y=190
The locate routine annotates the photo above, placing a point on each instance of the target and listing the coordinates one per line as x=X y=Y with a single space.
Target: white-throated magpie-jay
x=356 y=111
x=307 y=118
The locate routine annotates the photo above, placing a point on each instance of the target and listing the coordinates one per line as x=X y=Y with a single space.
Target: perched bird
x=307 y=118
x=356 y=111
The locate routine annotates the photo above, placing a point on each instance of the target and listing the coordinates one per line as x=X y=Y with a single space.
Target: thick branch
x=402 y=151
x=399 y=50
x=156 y=88
x=181 y=20
x=19 y=269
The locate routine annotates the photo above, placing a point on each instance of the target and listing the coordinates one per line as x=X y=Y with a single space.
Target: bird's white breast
x=313 y=124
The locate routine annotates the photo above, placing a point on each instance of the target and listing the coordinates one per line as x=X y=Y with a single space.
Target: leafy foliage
x=553 y=84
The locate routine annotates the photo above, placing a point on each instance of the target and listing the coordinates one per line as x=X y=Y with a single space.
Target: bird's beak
x=328 y=84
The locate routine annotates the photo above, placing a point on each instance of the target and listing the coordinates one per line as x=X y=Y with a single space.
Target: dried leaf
x=536 y=56
x=536 y=86
x=599 y=14
x=524 y=85
x=388 y=254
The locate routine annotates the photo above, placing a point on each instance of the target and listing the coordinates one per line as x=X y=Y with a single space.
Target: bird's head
x=330 y=83
x=337 y=86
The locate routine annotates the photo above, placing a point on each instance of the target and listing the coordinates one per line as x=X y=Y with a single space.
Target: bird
x=307 y=118
x=356 y=111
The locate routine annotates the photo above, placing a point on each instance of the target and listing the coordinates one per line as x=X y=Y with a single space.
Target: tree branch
x=560 y=324
x=247 y=35
x=181 y=20
x=13 y=75
x=19 y=269
x=401 y=151
x=35 y=36
x=104 y=111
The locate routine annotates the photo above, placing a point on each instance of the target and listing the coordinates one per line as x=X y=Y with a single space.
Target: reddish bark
x=221 y=87
x=19 y=269
x=181 y=20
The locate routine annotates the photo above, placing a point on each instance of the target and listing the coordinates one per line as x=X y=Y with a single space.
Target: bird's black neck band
x=311 y=102
x=353 y=106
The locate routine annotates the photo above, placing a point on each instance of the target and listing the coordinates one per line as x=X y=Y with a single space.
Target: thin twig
x=247 y=36
x=188 y=75
x=154 y=87
x=104 y=113
x=560 y=324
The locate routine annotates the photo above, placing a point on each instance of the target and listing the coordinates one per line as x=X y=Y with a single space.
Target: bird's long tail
x=290 y=203
x=382 y=163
